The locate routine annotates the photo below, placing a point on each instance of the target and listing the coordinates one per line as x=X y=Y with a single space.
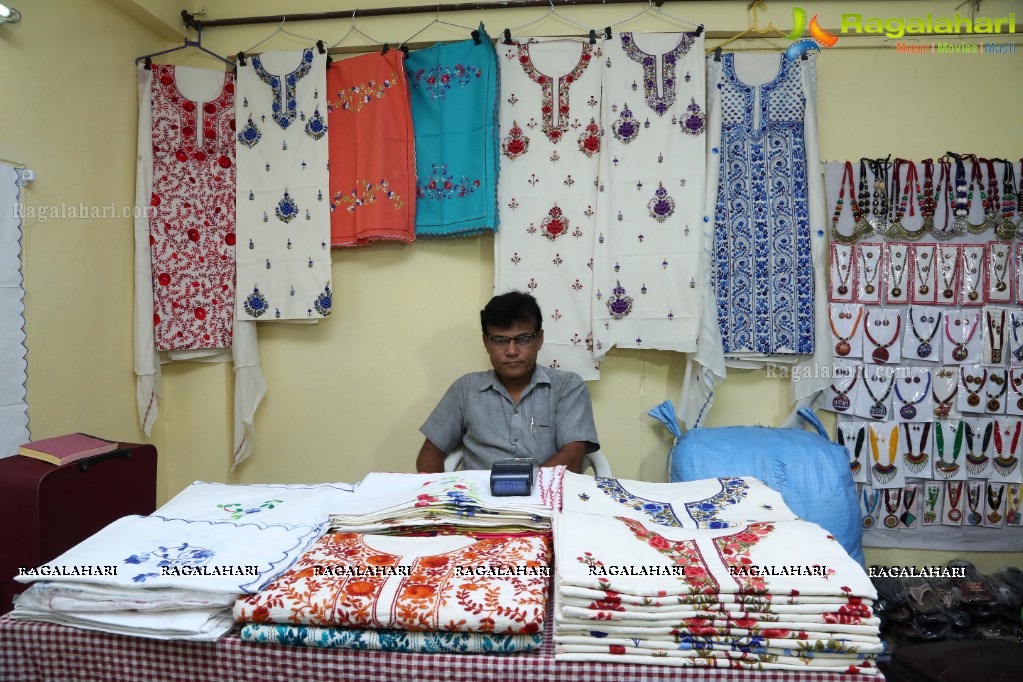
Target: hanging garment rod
x=192 y=22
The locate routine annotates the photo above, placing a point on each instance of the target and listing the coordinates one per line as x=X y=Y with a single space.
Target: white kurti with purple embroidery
x=283 y=245
x=547 y=196
x=653 y=167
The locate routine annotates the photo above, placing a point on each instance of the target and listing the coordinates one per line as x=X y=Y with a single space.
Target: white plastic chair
x=594 y=460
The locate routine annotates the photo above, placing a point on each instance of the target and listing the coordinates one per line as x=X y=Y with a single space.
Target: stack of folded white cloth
x=175 y=574
x=714 y=573
x=448 y=593
x=457 y=501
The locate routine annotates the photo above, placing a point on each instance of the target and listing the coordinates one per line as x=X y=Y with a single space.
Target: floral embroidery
x=705 y=511
x=693 y=121
x=547 y=108
x=438 y=79
x=441 y=185
x=323 y=302
x=698 y=578
x=287 y=209
x=661 y=206
x=237 y=511
x=370 y=191
x=626 y=128
x=182 y=555
x=555 y=224
x=316 y=126
x=285 y=107
x=358 y=96
x=256 y=303
x=619 y=305
x=250 y=134
x=589 y=141
x=516 y=143
x=659 y=103
x=660 y=513
x=734 y=553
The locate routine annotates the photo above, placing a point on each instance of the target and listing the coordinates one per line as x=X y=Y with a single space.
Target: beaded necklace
x=1014 y=382
x=1006 y=229
x=863 y=225
x=975 y=462
x=962 y=200
x=878 y=410
x=944 y=189
x=892 y=499
x=842 y=267
x=908 y=409
x=879 y=201
x=948 y=270
x=885 y=472
x=908 y=498
x=915 y=457
x=857 y=213
x=929 y=198
x=996 y=336
x=1006 y=462
x=1000 y=268
x=945 y=469
x=924 y=349
x=923 y=271
x=870 y=502
x=880 y=353
x=896 y=231
x=841 y=402
x=955 y=494
x=971 y=268
x=897 y=270
x=931 y=506
x=942 y=407
x=973 y=499
x=994 y=402
x=854 y=464
x=994 y=503
x=989 y=199
x=842 y=347
x=974 y=398
x=961 y=350
x=868 y=273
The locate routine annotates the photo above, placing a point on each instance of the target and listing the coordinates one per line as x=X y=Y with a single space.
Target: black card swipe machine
x=512 y=477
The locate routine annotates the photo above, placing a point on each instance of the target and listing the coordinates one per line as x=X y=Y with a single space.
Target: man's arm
x=570 y=454
x=430 y=459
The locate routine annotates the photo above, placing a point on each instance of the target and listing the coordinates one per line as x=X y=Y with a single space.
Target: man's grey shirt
x=478 y=412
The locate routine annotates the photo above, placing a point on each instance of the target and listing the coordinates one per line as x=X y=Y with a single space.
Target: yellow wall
x=347 y=396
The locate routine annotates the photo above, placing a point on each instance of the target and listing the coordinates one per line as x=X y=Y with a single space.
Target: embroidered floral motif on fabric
x=660 y=103
x=250 y=134
x=287 y=209
x=439 y=79
x=619 y=304
x=548 y=109
x=626 y=128
x=256 y=304
x=703 y=512
x=693 y=121
x=734 y=553
x=442 y=185
x=366 y=193
x=323 y=302
x=555 y=224
x=237 y=511
x=285 y=108
x=316 y=126
x=182 y=555
x=358 y=96
x=698 y=578
x=515 y=144
x=589 y=141
x=661 y=206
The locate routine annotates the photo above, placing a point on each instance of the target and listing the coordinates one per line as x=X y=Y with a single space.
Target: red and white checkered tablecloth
x=42 y=652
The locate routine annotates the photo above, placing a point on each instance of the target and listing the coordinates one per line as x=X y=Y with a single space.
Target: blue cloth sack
x=811 y=473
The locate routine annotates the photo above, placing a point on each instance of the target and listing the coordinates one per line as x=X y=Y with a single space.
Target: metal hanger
x=551 y=10
x=281 y=29
x=753 y=31
x=197 y=44
x=355 y=29
x=658 y=10
x=437 y=20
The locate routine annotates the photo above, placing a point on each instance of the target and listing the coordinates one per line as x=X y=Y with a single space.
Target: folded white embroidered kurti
x=710 y=503
x=261 y=504
x=199 y=625
x=382 y=582
x=153 y=551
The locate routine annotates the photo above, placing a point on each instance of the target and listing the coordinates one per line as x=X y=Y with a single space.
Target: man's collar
x=540 y=376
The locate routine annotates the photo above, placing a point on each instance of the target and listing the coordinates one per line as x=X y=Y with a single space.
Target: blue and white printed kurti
x=763 y=264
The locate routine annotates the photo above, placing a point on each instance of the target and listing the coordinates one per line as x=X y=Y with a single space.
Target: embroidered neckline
x=554 y=132
x=189 y=133
x=659 y=103
x=285 y=106
x=703 y=512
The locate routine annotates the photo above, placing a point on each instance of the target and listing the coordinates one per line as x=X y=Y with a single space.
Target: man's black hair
x=507 y=309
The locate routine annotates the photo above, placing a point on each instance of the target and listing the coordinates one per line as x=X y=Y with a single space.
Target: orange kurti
x=372 y=158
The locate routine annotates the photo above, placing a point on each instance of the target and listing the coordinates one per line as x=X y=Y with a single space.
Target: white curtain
x=13 y=364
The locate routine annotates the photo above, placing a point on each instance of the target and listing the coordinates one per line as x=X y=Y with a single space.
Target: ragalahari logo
x=818 y=36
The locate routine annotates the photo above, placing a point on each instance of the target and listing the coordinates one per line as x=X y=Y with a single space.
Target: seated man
x=516 y=410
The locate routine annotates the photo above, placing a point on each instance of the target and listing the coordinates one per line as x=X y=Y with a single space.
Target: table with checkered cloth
x=42 y=652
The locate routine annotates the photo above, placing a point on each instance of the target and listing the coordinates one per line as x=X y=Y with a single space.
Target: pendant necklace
x=923 y=272
x=879 y=204
x=897 y=271
x=885 y=472
x=843 y=279
x=1006 y=229
x=1006 y=462
x=929 y=198
x=975 y=462
x=931 y=506
x=1017 y=350
x=994 y=402
x=842 y=347
x=1000 y=268
x=841 y=402
x=994 y=502
x=1012 y=515
x=955 y=494
x=870 y=503
x=854 y=464
x=948 y=272
x=863 y=225
x=868 y=273
x=974 y=398
x=943 y=469
x=908 y=409
x=943 y=407
x=1015 y=382
x=878 y=410
x=896 y=231
x=880 y=353
x=996 y=337
x=916 y=458
x=944 y=189
x=908 y=497
x=990 y=198
x=892 y=498
x=961 y=351
x=971 y=268
x=857 y=212
x=963 y=198
x=973 y=499
x=923 y=350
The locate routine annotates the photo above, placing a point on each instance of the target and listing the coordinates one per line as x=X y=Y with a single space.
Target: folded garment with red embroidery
x=386 y=582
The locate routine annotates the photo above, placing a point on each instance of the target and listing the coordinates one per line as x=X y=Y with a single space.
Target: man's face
x=513 y=362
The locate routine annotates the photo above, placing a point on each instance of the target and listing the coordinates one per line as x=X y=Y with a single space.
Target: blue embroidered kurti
x=453 y=88
x=764 y=274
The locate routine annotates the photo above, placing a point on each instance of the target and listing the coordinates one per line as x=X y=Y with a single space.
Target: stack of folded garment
x=457 y=501
x=400 y=593
x=714 y=573
x=175 y=574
